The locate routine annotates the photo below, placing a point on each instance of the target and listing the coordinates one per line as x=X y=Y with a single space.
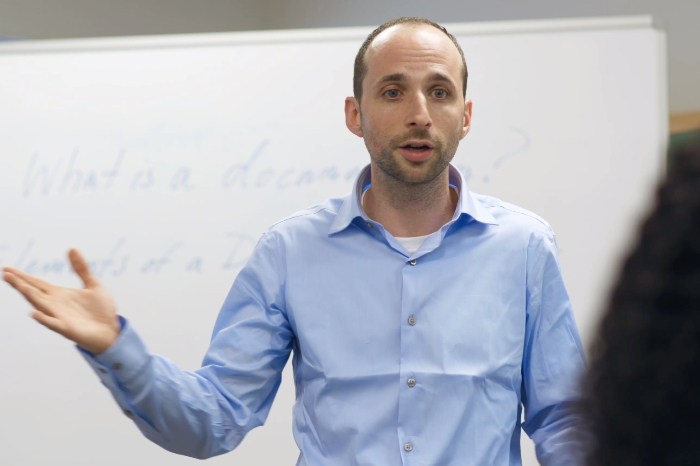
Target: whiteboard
x=164 y=158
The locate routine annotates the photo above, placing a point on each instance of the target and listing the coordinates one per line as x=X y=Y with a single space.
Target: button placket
x=410 y=399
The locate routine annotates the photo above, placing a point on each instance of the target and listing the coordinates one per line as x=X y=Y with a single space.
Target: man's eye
x=392 y=93
x=440 y=93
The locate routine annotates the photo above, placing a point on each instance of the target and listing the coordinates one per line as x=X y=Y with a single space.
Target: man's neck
x=407 y=210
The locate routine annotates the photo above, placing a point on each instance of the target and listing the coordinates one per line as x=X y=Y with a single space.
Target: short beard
x=381 y=153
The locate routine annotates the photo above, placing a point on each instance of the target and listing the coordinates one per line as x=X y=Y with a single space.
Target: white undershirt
x=412 y=243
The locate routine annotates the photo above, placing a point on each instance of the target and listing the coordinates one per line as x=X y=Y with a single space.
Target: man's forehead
x=407 y=31
x=413 y=41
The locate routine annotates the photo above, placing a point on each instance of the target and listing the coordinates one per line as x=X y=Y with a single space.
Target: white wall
x=42 y=19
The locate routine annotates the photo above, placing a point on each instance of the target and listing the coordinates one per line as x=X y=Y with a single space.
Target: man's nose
x=418 y=114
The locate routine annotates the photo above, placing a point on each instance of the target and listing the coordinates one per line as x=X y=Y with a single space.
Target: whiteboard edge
x=316 y=35
x=551 y=25
x=664 y=123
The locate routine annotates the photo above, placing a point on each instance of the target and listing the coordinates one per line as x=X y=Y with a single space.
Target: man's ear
x=352 y=116
x=467 y=118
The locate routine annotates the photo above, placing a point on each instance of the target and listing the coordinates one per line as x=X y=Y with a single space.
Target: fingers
x=30 y=279
x=49 y=322
x=32 y=294
x=80 y=266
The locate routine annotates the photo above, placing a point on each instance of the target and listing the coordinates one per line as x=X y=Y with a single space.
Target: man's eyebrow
x=439 y=77
x=392 y=78
x=400 y=77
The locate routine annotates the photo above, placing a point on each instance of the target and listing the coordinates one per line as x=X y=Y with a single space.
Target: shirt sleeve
x=553 y=360
x=208 y=412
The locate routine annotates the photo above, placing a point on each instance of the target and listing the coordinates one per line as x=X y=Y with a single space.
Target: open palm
x=86 y=316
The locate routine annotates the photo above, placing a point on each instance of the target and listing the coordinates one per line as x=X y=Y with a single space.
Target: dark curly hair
x=643 y=391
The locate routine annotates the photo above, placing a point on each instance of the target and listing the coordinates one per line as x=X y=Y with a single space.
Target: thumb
x=80 y=266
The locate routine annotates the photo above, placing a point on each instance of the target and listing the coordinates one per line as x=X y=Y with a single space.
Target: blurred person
x=422 y=317
x=643 y=403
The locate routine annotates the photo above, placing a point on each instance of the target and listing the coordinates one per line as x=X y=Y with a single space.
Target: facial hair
x=383 y=154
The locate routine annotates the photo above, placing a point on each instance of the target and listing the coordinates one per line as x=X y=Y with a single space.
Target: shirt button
x=408 y=447
x=128 y=413
x=370 y=225
x=413 y=262
x=411 y=382
x=117 y=366
x=411 y=320
x=103 y=370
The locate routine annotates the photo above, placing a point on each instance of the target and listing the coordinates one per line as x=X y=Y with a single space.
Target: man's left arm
x=553 y=359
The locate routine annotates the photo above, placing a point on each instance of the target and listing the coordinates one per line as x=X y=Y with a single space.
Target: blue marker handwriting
x=118 y=261
x=46 y=176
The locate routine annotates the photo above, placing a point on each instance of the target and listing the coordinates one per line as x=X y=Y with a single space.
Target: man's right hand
x=86 y=316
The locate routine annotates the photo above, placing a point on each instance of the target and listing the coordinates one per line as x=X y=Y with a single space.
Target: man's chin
x=395 y=165
x=418 y=172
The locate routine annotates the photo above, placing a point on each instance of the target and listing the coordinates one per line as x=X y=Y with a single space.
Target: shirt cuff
x=121 y=362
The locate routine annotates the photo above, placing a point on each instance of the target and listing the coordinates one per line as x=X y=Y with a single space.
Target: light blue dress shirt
x=417 y=360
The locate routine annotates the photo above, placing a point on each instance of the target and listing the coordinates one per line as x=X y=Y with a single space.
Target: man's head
x=361 y=64
x=409 y=103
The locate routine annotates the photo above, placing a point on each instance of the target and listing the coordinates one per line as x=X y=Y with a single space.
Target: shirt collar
x=467 y=204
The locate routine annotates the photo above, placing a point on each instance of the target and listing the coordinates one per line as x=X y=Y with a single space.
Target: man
x=421 y=316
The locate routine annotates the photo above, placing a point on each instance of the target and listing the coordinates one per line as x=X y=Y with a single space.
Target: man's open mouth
x=418 y=147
